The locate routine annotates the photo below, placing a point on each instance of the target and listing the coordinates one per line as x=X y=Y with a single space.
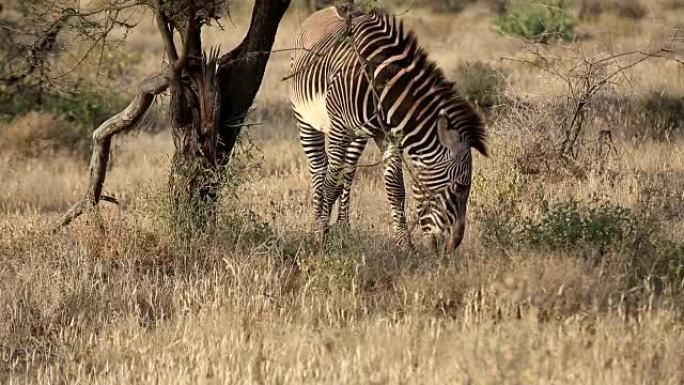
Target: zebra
x=359 y=77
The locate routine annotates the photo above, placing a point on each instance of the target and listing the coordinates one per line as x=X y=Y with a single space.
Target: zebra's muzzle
x=447 y=241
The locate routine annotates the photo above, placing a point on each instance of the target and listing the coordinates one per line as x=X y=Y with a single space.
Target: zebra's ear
x=449 y=138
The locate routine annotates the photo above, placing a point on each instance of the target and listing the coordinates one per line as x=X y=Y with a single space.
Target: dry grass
x=257 y=302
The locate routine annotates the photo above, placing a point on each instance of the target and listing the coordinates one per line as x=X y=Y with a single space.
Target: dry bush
x=434 y=5
x=674 y=4
x=314 y=5
x=449 y=5
x=655 y=116
x=41 y=134
x=663 y=116
x=633 y=9
x=533 y=137
x=481 y=84
x=660 y=195
x=534 y=133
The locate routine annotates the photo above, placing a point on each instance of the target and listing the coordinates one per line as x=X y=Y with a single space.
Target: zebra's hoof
x=409 y=248
x=322 y=230
x=343 y=226
x=320 y=235
x=405 y=245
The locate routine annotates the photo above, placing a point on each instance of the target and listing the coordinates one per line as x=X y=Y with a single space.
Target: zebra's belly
x=313 y=112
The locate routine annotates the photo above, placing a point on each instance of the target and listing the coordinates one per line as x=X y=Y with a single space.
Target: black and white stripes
x=376 y=82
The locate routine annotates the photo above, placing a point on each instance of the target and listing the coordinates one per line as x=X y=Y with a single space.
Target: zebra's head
x=443 y=211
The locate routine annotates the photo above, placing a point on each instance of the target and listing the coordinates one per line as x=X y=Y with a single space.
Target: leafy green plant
x=539 y=22
x=570 y=224
x=87 y=107
x=588 y=230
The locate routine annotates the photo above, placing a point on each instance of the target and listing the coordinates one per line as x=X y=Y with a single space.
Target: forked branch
x=166 y=34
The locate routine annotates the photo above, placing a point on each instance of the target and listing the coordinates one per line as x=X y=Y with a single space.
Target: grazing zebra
x=369 y=79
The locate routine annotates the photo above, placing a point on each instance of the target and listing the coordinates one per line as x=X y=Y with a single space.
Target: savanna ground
x=571 y=271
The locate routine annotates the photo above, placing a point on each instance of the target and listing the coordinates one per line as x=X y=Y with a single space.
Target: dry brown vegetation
x=572 y=270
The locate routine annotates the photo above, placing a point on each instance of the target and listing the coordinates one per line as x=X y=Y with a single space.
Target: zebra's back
x=332 y=87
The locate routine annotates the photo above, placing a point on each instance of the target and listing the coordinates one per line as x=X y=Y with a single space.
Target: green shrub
x=513 y=215
x=538 y=22
x=480 y=84
x=86 y=107
x=569 y=225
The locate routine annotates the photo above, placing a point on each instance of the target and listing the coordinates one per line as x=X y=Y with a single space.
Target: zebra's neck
x=409 y=89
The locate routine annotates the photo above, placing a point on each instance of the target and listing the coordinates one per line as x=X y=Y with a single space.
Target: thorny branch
x=585 y=78
x=95 y=25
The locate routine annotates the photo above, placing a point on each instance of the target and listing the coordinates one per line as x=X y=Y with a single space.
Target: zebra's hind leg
x=313 y=142
x=352 y=156
x=396 y=191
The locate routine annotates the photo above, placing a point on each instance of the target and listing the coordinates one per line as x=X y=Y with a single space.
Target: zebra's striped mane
x=468 y=122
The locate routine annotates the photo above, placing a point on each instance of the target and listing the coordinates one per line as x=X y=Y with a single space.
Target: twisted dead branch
x=102 y=140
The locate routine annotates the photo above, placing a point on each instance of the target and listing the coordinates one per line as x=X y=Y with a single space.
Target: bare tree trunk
x=209 y=106
x=241 y=72
x=194 y=172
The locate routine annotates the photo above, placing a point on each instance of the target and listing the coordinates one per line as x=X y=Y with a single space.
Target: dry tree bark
x=209 y=111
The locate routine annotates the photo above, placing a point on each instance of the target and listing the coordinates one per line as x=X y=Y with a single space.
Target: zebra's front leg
x=353 y=153
x=313 y=142
x=396 y=192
